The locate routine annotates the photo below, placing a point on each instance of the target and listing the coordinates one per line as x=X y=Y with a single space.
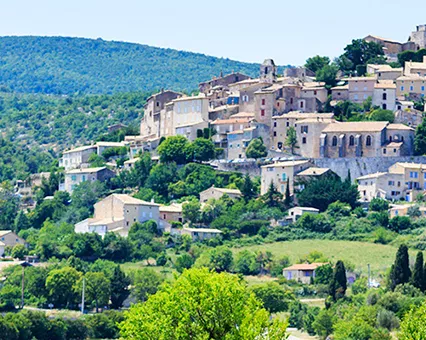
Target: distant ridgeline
x=59 y=65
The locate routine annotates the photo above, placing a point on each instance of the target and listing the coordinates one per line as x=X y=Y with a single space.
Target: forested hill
x=59 y=65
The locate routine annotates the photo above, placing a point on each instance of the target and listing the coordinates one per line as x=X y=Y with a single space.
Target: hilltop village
x=307 y=182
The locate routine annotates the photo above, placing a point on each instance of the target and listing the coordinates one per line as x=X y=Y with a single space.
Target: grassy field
x=359 y=254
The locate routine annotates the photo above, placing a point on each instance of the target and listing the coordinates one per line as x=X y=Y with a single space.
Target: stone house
x=384 y=72
x=303 y=273
x=340 y=93
x=365 y=139
x=172 y=212
x=360 y=88
x=77 y=176
x=310 y=174
x=239 y=140
x=295 y=213
x=401 y=181
x=384 y=95
x=280 y=173
x=412 y=85
x=8 y=238
x=78 y=157
x=268 y=71
x=150 y=123
x=403 y=209
x=281 y=124
x=222 y=80
x=247 y=96
x=410 y=117
x=117 y=213
x=201 y=234
x=217 y=193
x=224 y=126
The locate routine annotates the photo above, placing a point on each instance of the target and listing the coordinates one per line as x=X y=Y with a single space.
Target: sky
x=287 y=31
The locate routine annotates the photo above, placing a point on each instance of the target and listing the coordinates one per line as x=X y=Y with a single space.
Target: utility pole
x=82 y=296
x=369 y=276
x=22 y=287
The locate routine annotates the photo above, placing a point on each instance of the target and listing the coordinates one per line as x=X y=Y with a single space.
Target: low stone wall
x=363 y=166
x=357 y=166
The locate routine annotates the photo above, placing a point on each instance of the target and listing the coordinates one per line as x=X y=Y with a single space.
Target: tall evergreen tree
x=338 y=284
x=418 y=272
x=21 y=222
x=348 y=179
x=247 y=188
x=119 y=288
x=273 y=197
x=400 y=272
x=287 y=199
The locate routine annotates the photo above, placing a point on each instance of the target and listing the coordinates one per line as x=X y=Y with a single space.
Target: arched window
x=334 y=142
x=351 y=141
x=368 y=141
x=390 y=138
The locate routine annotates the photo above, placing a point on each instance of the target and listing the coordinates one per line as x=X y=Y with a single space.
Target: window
x=384 y=96
x=391 y=183
x=262 y=112
x=284 y=177
x=414 y=174
x=275 y=123
x=288 y=124
x=334 y=142
x=301 y=105
x=423 y=88
x=402 y=88
x=304 y=140
x=291 y=100
x=304 y=129
x=158 y=104
x=411 y=88
x=384 y=106
x=275 y=133
x=315 y=93
x=263 y=101
x=73 y=178
x=351 y=141
x=278 y=104
x=368 y=141
x=384 y=151
x=83 y=178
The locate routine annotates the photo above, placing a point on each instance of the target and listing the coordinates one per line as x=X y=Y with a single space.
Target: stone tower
x=268 y=71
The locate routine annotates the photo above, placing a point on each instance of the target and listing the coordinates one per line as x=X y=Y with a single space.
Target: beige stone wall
x=213 y=193
x=360 y=90
x=11 y=239
x=408 y=86
x=309 y=142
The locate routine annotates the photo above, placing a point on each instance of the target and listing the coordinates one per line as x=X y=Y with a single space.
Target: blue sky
x=287 y=31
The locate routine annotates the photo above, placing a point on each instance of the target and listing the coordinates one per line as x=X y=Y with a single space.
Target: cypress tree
x=401 y=272
x=418 y=272
x=338 y=284
x=119 y=287
x=287 y=199
x=247 y=188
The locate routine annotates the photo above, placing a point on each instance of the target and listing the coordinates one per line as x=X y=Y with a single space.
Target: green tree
x=247 y=188
x=338 y=284
x=328 y=75
x=323 y=324
x=221 y=259
x=316 y=63
x=324 y=274
x=378 y=204
x=413 y=326
x=185 y=261
x=419 y=273
x=287 y=199
x=360 y=52
x=291 y=139
x=256 y=149
x=245 y=263
x=9 y=205
x=21 y=222
x=272 y=198
x=9 y=297
x=182 y=311
x=200 y=150
x=382 y=115
x=97 y=288
x=420 y=139
x=145 y=282
x=141 y=169
x=19 y=251
x=322 y=192
x=60 y=286
x=119 y=287
x=399 y=223
x=275 y=298
x=173 y=149
x=400 y=271
x=160 y=178
x=191 y=211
